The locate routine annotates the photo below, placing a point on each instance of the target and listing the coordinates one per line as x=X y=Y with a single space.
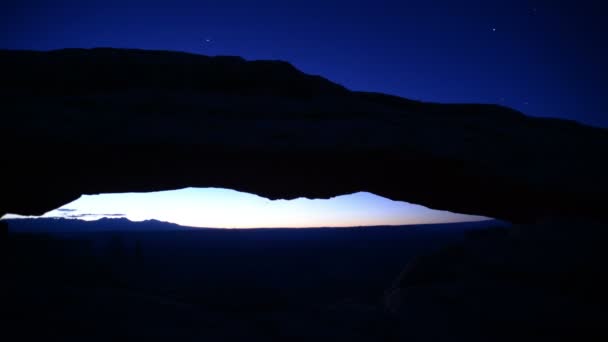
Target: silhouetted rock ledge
x=78 y=121
x=542 y=282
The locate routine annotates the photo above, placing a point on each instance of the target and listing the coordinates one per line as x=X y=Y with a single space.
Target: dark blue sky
x=545 y=58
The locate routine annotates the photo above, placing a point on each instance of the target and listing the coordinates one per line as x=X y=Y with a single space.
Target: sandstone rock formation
x=79 y=121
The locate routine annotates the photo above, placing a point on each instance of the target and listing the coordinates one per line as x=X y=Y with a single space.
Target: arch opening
x=225 y=208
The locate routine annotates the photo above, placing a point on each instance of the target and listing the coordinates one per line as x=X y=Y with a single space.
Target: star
x=493 y=29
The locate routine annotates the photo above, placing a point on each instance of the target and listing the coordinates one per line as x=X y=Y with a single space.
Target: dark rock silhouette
x=547 y=284
x=3 y=240
x=3 y=231
x=82 y=121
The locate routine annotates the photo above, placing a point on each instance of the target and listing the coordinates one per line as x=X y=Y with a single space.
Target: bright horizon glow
x=223 y=208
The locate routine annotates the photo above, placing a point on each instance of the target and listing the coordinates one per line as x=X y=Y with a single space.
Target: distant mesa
x=86 y=121
x=60 y=225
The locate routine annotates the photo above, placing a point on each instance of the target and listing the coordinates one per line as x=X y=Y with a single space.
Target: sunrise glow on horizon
x=223 y=208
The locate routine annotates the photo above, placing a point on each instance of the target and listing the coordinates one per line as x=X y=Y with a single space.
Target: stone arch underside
x=106 y=121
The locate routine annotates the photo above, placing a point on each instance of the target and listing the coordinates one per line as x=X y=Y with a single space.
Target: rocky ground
x=541 y=282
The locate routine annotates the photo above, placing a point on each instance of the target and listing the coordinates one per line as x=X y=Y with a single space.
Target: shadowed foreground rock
x=107 y=120
x=544 y=282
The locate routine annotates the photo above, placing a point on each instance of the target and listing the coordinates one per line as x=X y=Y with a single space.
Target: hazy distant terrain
x=483 y=281
x=150 y=280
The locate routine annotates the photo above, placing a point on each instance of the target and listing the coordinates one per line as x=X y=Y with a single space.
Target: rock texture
x=79 y=121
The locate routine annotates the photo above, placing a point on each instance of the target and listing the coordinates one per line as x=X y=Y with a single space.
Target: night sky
x=544 y=58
